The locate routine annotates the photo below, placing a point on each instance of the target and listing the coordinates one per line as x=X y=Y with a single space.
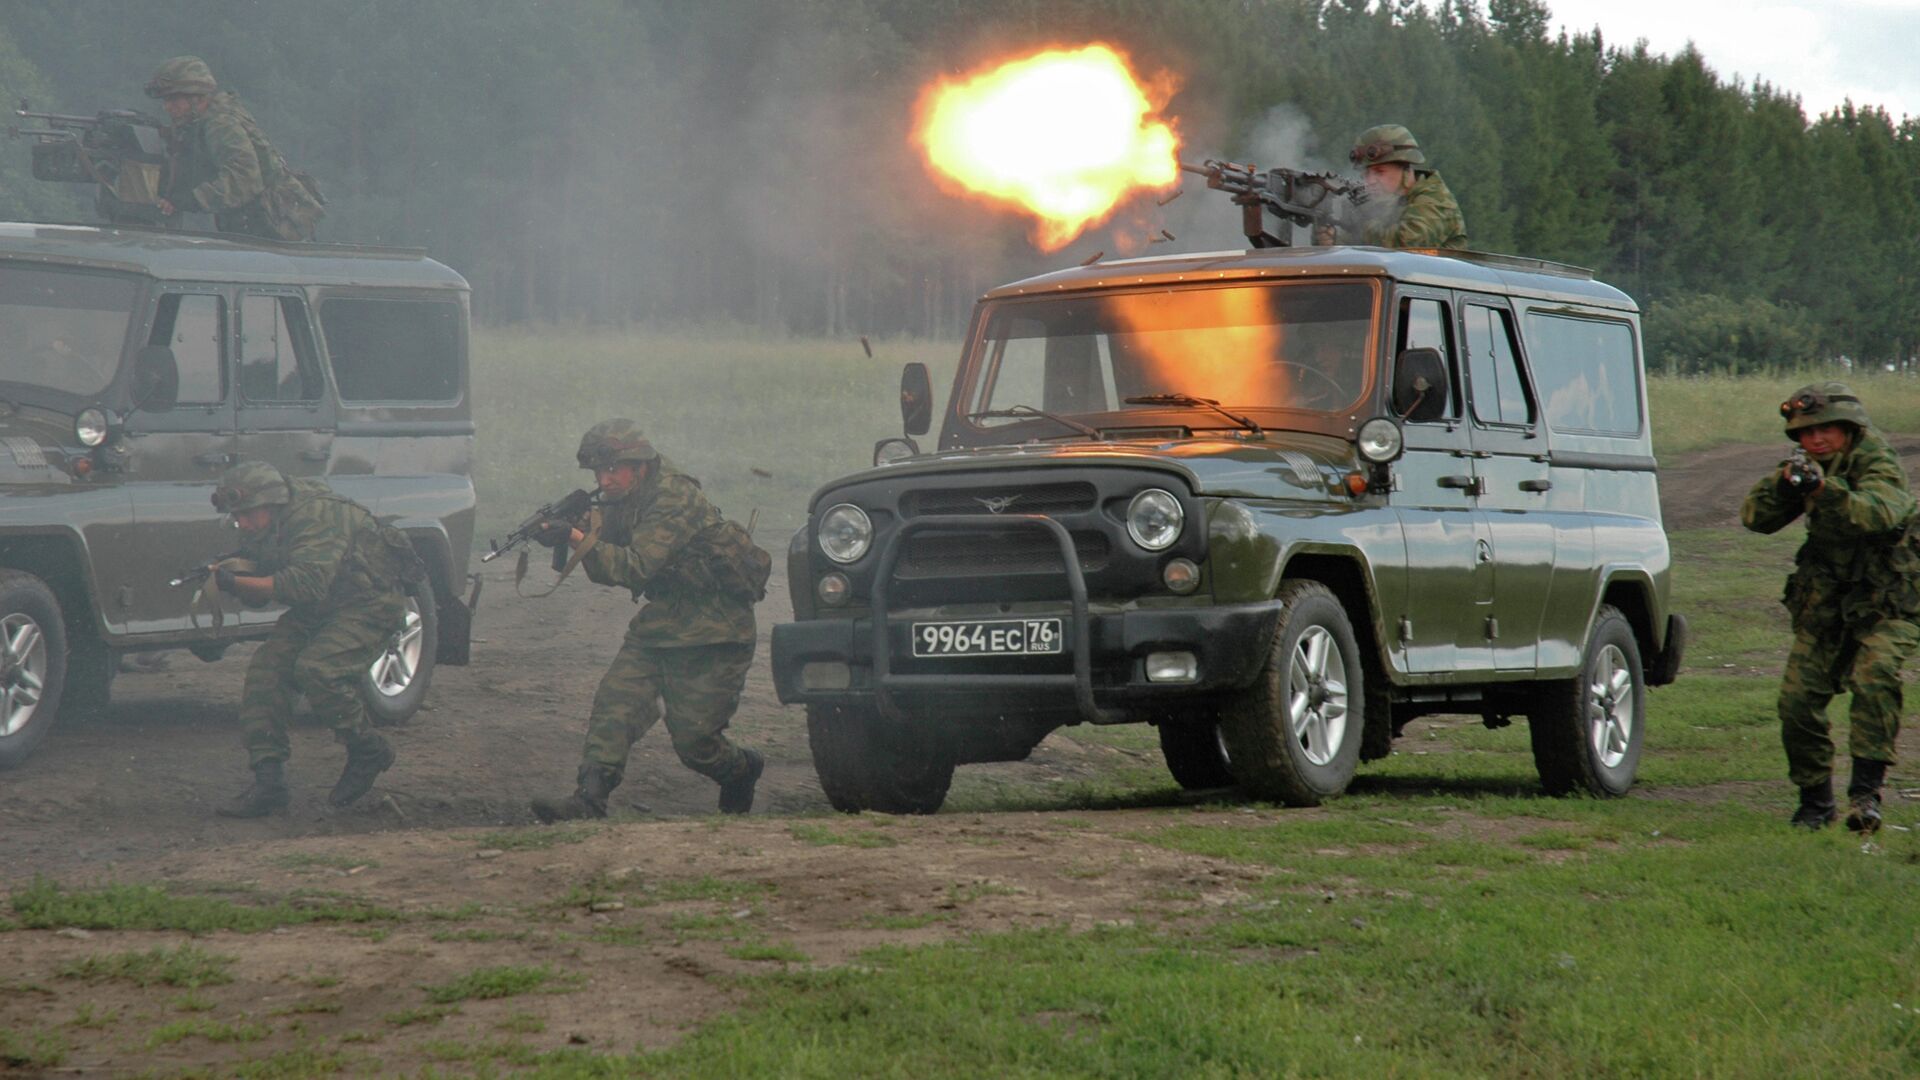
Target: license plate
x=988 y=637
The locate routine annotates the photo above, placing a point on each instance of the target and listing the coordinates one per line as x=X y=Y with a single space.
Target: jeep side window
x=1493 y=365
x=195 y=327
x=277 y=362
x=1424 y=324
x=393 y=350
x=1586 y=373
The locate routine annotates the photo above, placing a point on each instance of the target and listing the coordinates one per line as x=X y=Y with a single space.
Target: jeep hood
x=1282 y=465
x=31 y=443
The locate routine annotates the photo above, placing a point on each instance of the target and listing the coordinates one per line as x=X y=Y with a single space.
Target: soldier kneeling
x=341 y=574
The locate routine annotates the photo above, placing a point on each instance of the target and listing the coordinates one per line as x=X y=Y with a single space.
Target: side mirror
x=156 y=379
x=888 y=451
x=1420 y=385
x=916 y=399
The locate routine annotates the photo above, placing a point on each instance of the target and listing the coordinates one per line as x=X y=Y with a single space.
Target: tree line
x=746 y=161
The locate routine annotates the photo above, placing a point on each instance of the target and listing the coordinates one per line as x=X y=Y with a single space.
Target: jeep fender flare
x=59 y=556
x=1632 y=589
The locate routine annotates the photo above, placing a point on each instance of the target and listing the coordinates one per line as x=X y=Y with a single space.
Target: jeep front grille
x=986 y=554
x=1049 y=499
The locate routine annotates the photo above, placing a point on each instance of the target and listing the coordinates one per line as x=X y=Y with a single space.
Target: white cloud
x=1823 y=52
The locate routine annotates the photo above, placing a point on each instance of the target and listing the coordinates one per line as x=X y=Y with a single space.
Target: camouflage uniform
x=1426 y=216
x=339 y=574
x=689 y=648
x=223 y=164
x=1853 y=599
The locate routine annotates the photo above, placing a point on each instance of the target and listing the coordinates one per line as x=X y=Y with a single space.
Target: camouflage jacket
x=326 y=553
x=224 y=165
x=1859 y=562
x=1428 y=218
x=655 y=543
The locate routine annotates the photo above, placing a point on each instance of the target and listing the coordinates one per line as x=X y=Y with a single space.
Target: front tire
x=865 y=764
x=1196 y=754
x=1295 y=734
x=33 y=664
x=1587 y=731
x=396 y=684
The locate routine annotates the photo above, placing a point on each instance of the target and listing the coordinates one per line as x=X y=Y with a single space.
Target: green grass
x=815 y=410
x=210 y=1030
x=187 y=967
x=44 y=904
x=32 y=1049
x=1748 y=409
x=499 y=982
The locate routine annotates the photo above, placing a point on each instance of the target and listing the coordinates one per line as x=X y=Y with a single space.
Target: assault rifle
x=570 y=509
x=202 y=571
x=1802 y=474
x=1313 y=200
x=122 y=151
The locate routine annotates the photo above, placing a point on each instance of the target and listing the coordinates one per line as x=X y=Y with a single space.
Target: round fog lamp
x=845 y=533
x=1379 y=440
x=90 y=427
x=1181 y=576
x=1154 y=519
x=833 y=589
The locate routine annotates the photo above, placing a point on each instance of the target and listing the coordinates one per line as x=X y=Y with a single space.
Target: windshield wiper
x=1189 y=401
x=1028 y=411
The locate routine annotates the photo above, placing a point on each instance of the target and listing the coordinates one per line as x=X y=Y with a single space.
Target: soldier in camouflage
x=688 y=649
x=1854 y=596
x=1407 y=207
x=222 y=164
x=340 y=574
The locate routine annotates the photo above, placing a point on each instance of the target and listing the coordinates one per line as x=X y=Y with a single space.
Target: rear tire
x=866 y=764
x=1295 y=734
x=91 y=667
x=33 y=664
x=1196 y=753
x=1587 y=731
x=396 y=685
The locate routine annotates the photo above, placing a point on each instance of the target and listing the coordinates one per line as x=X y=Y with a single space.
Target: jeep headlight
x=1379 y=440
x=845 y=533
x=1154 y=519
x=90 y=427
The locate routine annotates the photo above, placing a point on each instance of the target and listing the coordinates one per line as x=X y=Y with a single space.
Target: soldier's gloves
x=553 y=533
x=223 y=579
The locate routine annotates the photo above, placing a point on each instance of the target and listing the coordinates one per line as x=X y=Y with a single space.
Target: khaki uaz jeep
x=1277 y=503
x=136 y=366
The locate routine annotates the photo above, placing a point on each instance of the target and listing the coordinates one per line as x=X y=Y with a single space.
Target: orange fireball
x=1065 y=135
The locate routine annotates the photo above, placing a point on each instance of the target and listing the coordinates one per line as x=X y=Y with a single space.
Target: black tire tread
x=861 y=770
x=1193 y=755
x=1556 y=725
x=1264 y=765
x=19 y=589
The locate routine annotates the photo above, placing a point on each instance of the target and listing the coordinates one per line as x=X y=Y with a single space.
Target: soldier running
x=688 y=649
x=340 y=573
x=1853 y=597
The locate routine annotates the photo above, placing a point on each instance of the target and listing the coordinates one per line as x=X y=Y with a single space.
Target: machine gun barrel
x=1315 y=200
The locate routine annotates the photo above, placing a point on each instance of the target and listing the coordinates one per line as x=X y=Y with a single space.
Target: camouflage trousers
x=699 y=685
x=1820 y=666
x=326 y=661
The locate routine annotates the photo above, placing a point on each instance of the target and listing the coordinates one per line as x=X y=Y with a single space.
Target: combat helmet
x=182 y=75
x=1383 y=143
x=251 y=484
x=611 y=442
x=1823 y=403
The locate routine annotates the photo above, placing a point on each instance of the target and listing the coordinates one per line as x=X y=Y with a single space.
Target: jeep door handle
x=1536 y=485
x=1469 y=484
x=213 y=457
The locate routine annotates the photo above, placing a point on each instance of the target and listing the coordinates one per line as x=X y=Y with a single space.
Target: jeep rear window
x=61 y=330
x=393 y=350
x=1586 y=373
x=1280 y=346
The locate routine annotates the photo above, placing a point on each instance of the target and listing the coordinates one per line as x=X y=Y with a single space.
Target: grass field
x=763 y=421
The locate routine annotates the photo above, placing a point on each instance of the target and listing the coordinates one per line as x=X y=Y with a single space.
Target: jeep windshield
x=1254 y=348
x=62 y=330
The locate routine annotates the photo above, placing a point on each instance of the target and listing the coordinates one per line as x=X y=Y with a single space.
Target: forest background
x=746 y=163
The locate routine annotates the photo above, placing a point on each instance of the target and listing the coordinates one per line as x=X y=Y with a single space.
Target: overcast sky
x=1823 y=51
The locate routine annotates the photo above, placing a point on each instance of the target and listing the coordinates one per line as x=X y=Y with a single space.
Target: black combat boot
x=1816 y=806
x=589 y=798
x=736 y=795
x=367 y=758
x=266 y=795
x=1863 y=795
